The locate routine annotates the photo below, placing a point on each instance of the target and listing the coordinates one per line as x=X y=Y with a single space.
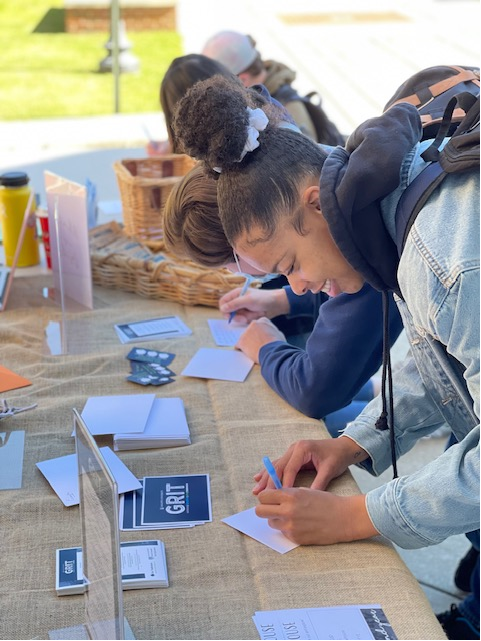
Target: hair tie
x=258 y=121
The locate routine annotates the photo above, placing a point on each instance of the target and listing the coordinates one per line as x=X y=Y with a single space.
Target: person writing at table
x=182 y=73
x=332 y=376
x=326 y=221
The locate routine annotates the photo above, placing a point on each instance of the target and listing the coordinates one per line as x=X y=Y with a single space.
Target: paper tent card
x=69 y=239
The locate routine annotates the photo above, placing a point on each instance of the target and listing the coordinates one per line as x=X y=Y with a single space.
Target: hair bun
x=211 y=121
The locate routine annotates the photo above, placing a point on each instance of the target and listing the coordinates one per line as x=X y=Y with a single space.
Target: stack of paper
x=336 y=622
x=166 y=427
x=143 y=565
x=166 y=502
x=152 y=329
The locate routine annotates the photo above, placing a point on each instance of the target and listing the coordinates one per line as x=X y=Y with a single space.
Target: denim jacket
x=438 y=276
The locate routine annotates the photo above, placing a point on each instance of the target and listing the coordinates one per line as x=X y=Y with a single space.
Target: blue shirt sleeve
x=342 y=353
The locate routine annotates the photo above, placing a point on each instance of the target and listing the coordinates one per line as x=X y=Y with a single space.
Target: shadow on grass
x=52 y=22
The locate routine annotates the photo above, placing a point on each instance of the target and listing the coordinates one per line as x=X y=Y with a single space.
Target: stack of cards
x=149 y=367
x=143 y=565
x=166 y=427
x=167 y=502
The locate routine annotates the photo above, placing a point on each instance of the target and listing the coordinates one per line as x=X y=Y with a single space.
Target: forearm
x=353 y=453
x=437 y=501
x=354 y=518
x=280 y=303
x=345 y=345
x=415 y=415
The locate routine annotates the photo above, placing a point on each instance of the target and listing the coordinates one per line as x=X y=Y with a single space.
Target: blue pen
x=243 y=291
x=272 y=472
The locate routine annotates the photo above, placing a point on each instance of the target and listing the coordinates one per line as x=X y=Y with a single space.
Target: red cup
x=42 y=215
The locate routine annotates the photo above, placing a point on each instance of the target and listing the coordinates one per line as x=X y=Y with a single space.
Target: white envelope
x=62 y=474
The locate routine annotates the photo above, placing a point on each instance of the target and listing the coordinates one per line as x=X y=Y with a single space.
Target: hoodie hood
x=353 y=182
x=278 y=74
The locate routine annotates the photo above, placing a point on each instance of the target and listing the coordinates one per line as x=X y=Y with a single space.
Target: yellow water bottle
x=14 y=196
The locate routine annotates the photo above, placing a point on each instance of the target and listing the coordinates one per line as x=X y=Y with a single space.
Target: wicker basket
x=121 y=262
x=144 y=185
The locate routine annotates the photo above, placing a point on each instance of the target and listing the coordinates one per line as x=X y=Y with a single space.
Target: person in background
x=183 y=72
x=238 y=53
x=333 y=377
x=327 y=221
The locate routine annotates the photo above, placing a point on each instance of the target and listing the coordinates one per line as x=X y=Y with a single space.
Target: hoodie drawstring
x=386 y=419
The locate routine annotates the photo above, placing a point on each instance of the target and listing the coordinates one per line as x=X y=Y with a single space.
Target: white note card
x=224 y=333
x=220 y=364
x=259 y=529
x=62 y=474
x=117 y=414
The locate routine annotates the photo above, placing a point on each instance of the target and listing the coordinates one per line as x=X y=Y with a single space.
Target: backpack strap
x=413 y=200
x=428 y=93
x=465 y=100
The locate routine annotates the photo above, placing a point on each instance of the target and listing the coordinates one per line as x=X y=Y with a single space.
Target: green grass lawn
x=45 y=72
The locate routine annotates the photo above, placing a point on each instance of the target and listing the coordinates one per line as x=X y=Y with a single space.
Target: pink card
x=69 y=239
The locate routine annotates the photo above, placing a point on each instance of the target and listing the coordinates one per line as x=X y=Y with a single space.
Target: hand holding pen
x=242 y=292
x=272 y=472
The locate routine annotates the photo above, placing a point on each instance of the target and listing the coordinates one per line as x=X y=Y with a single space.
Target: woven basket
x=123 y=263
x=144 y=185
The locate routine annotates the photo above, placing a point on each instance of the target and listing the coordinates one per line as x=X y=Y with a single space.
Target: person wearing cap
x=237 y=52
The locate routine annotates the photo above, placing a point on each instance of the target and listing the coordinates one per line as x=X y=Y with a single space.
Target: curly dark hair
x=211 y=123
x=208 y=107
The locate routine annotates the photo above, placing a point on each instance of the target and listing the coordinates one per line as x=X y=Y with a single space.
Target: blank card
x=220 y=364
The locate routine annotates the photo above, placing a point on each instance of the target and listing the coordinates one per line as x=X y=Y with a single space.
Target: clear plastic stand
x=80 y=632
x=73 y=284
x=99 y=520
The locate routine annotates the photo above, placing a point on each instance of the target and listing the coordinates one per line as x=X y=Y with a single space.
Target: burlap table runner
x=218 y=577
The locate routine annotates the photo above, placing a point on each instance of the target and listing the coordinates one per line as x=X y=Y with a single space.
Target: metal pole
x=114 y=26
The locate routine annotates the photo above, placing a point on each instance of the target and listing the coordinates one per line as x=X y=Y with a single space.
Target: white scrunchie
x=257 y=122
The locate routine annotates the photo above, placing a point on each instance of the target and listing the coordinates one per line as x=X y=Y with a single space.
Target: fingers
x=240 y=305
x=254 y=300
x=321 y=480
x=263 y=480
x=299 y=456
x=229 y=296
